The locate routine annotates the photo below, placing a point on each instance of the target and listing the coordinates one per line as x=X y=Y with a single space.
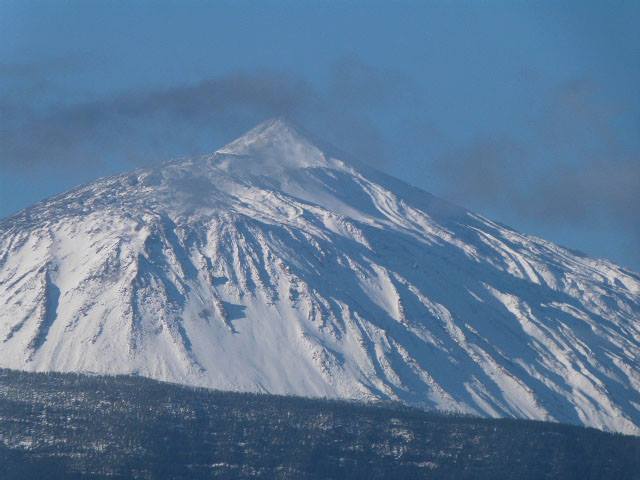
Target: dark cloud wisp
x=186 y=119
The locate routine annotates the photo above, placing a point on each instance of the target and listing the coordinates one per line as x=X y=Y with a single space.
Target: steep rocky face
x=273 y=266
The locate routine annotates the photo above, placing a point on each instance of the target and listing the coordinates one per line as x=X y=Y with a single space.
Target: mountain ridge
x=273 y=266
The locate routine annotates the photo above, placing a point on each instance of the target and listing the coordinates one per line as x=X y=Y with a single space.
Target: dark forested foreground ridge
x=75 y=426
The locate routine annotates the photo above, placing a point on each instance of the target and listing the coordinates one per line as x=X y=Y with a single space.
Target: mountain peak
x=275 y=133
x=273 y=145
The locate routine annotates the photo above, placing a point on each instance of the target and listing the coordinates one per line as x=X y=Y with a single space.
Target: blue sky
x=528 y=112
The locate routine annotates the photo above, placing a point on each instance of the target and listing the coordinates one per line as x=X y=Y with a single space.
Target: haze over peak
x=272 y=131
x=272 y=146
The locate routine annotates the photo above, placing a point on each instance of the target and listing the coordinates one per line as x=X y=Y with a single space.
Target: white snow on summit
x=273 y=266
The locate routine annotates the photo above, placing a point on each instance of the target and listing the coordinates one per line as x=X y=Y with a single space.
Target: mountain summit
x=273 y=266
x=276 y=144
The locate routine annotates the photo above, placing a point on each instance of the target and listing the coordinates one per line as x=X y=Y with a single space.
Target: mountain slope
x=273 y=266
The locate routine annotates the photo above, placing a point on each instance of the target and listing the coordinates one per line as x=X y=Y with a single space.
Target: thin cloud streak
x=591 y=181
x=143 y=124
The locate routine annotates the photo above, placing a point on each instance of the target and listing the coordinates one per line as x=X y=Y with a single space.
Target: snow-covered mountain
x=272 y=265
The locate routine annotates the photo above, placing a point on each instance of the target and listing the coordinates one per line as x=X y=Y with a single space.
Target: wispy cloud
x=42 y=69
x=143 y=124
x=575 y=170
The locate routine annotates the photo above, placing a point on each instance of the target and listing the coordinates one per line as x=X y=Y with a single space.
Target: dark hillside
x=74 y=426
